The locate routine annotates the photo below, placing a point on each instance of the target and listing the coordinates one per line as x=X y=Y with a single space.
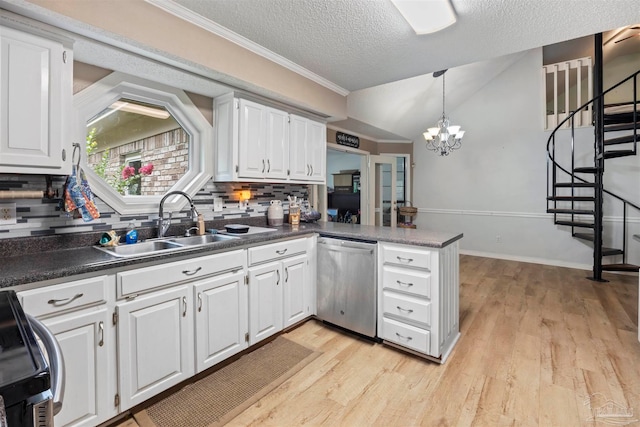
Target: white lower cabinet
x=265 y=301
x=295 y=307
x=79 y=313
x=86 y=352
x=221 y=318
x=418 y=298
x=279 y=287
x=155 y=344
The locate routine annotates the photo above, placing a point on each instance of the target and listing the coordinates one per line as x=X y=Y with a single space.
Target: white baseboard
x=532 y=260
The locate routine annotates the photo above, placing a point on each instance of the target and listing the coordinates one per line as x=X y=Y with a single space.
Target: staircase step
x=584 y=236
x=586 y=170
x=612 y=119
x=575 y=224
x=570 y=211
x=576 y=184
x=611 y=251
x=622 y=126
x=572 y=198
x=621 y=267
x=619 y=153
x=622 y=140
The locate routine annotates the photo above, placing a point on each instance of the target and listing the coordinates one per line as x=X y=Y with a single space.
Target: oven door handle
x=56 y=361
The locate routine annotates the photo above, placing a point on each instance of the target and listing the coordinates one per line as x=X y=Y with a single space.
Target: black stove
x=24 y=374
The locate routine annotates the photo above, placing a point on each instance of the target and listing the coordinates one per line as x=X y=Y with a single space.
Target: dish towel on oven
x=78 y=198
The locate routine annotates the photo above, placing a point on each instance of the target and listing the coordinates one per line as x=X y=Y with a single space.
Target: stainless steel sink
x=150 y=247
x=141 y=248
x=201 y=240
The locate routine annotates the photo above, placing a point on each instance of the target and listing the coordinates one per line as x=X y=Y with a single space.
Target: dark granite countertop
x=58 y=263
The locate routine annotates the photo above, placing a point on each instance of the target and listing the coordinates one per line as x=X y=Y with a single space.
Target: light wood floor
x=540 y=346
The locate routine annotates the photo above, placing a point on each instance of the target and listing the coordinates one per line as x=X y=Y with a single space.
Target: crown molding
x=182 y=12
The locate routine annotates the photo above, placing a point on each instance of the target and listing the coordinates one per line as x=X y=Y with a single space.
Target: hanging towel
x=78 y=197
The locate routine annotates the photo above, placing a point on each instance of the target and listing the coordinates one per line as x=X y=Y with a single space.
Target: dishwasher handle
x=345 y=247
x=56 y=361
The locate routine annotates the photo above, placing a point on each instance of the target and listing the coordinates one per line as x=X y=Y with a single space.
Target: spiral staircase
x=575 y=170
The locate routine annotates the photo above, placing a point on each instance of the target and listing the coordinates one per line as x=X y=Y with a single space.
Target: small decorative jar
x=275 y=214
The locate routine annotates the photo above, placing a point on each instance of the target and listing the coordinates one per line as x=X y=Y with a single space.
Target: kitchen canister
x=275 y=214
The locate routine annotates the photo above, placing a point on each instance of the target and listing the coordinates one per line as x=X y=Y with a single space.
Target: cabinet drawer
x=405 y=335
x=407 y=280
x=406 y=256
x=273 y=251
x=64 y=297
x=406 y=307
x=148 y=278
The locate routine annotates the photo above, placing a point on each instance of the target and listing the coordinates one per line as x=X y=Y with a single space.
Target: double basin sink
x=155 y=246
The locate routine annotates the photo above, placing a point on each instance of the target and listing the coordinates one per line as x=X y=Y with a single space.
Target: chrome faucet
x=163 y=224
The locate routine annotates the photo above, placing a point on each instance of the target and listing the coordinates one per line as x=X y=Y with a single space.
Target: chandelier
x=444 y=138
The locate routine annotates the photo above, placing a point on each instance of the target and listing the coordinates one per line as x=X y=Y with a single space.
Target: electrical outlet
x=8 y=214
x=498 y=239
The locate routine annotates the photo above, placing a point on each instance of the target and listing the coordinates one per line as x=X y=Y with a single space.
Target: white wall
x=494 y=188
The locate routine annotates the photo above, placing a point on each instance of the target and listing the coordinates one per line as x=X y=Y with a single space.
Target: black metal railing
x=554 y=168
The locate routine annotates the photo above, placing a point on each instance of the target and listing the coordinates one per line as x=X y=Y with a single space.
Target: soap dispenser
x=132 y=234
x=200 y=225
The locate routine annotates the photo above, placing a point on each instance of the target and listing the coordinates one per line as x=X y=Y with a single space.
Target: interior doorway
x=342 y=199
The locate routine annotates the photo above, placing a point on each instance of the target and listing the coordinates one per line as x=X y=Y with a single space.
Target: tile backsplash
x=44 y=217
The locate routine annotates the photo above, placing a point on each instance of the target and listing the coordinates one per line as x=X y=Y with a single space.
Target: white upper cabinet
x=308 y=149
x=255 y=142
x=36 y=85
x=263 y=141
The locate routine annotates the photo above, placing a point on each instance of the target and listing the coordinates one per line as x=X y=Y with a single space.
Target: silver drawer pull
x=184 y=304
x=282 y=252
x=199 y=301
x=404 y=309
x=401 y=283
x=402 y=337
x=64 y=301
x=191 y=273
x=101 y=329
x=404 y=259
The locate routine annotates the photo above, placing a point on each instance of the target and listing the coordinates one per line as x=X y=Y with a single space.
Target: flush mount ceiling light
x=426 y=16
x=444 y=138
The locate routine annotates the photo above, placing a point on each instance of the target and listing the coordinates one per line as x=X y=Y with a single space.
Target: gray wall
x=494 y=188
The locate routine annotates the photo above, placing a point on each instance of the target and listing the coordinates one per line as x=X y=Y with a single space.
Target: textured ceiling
x=357 y=44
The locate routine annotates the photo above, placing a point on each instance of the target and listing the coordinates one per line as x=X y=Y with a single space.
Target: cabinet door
x=252 y=142
x=317 y=150
x=265 y=301
x=88 y=349
x=221 y=318
x=300 y=169
x=295 y=298
x=35 y=97
x=155 y=337
x=277 y=143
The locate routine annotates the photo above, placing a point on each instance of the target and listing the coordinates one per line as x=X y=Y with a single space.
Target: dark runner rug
x=221 y=396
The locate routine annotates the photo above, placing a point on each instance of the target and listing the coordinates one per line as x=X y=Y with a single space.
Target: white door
x=89 y=379
x=298 y=148
x=252 y=140
x=295 y=300
x=277 y=143
x=381 y=189
x=155 y=337
x=32 y=103
x=221 y=318
x=316 y=150
x=265 y=301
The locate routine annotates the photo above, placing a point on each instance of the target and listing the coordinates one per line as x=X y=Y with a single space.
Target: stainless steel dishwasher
x=347 y=284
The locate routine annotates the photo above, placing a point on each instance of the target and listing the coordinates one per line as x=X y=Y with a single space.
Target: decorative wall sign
x=348 y=140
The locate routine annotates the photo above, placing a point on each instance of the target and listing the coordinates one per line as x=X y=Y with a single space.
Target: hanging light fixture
x=444 y=138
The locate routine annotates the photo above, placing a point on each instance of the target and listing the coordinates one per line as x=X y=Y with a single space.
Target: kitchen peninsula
x=217 y=300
